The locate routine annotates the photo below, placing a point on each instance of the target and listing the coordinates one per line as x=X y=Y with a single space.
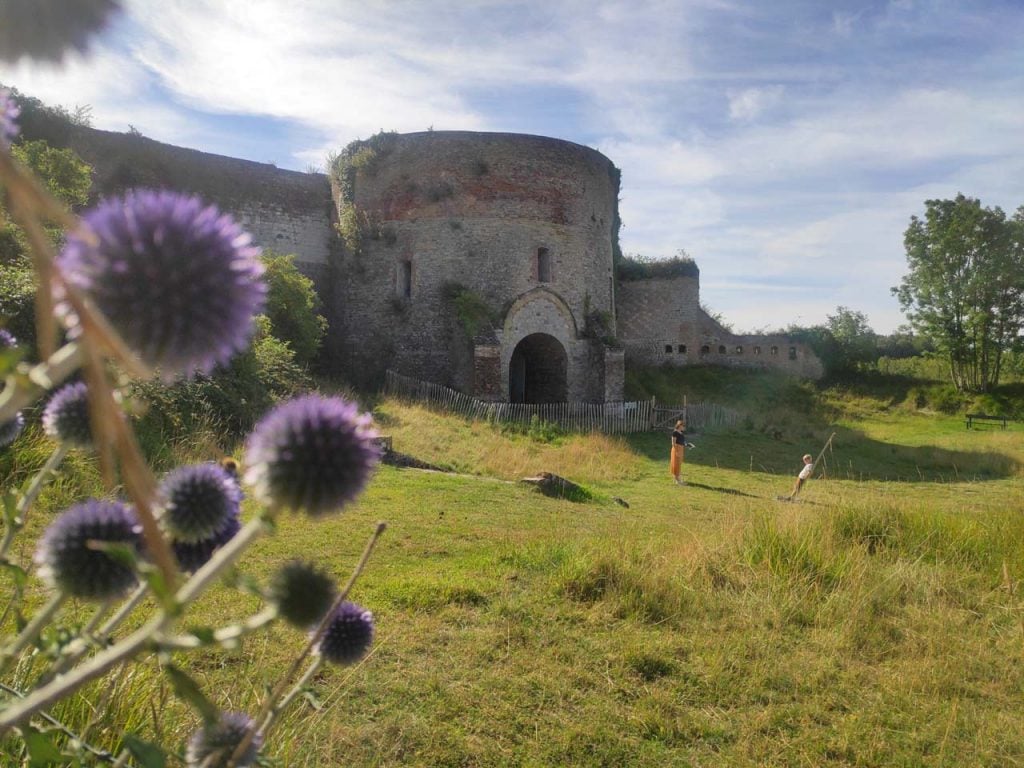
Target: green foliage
x=65 y=175
x=293 y=307
x=472 y=310
x=233 y=397
x=17 y=301
x=68 y=178
x=844 y=344
x=637 y=267
x=615 y=177
x=965 y=287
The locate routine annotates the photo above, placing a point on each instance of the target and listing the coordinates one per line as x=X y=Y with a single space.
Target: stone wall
x=286 y=211
x=661 y=322
x=524 y=222
x=482 y=211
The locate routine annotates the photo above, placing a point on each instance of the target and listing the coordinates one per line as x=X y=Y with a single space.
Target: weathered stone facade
x=523 y=224
x=661 y=322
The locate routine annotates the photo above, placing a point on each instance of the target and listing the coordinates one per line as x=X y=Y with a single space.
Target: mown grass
x=878 y=623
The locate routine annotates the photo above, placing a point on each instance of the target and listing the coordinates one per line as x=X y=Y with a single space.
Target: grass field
x=879 y=622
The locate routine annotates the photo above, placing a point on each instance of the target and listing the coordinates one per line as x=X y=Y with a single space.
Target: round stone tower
x=481 y=261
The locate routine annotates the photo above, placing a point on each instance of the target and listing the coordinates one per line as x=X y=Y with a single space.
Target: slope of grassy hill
x=879 y=622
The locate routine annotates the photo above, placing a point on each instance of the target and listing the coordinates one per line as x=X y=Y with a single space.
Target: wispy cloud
x=781 y=144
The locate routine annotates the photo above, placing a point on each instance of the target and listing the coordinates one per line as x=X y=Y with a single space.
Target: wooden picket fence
x=610 y=418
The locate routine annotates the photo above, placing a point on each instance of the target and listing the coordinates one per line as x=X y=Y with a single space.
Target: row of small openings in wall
x=773 y=351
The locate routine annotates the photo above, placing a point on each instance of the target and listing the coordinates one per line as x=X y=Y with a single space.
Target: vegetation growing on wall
x=637 y=267
x=615 y=175
x=362 y=155
x=598 y=324
x=473 y=312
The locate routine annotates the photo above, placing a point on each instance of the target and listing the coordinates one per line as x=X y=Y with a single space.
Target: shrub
x=233 y=397
x=17 y=301
x=293 y=307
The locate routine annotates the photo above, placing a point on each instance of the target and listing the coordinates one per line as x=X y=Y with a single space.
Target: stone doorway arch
x=538 y=371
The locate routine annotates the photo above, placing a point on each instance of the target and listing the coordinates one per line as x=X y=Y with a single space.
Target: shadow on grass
x=853 y=456
x=720 y=489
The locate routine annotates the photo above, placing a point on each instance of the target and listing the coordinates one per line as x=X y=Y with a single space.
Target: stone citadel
x=482 y=261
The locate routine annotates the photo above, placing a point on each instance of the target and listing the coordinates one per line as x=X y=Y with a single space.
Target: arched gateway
x=538 y=371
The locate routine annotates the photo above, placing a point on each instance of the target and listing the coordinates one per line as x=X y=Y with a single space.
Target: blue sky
x=783 y=144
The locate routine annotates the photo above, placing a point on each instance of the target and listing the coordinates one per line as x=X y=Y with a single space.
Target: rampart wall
x=525 y=223
x=286 y=211
x=661 y=322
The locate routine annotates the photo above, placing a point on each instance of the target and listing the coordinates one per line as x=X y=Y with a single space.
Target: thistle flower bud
x=192 y=556
x=70 y=559
x=312 y=453
x=302 y=593
x=197 y=501
x=47 y=29
x=348 y=635
x=178 y=280
x=10 y=430
x=66 y=417
x=9 y=112
x=213 y=745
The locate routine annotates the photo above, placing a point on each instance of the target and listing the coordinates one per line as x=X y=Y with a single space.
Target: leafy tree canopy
x=965 y=286
x=293 y=307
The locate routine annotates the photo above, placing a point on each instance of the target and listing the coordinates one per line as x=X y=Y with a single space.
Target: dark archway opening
x=537 y=372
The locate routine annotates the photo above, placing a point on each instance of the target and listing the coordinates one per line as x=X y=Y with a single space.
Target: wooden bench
x=973 y=417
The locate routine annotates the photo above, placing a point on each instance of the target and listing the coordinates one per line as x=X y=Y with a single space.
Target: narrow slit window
x=543 y=265
x=792 y=353
x=757 y=350
x=403 y=284
x=775 y=350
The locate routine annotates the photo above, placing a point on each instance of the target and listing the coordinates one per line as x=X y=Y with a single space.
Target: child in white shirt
x=805 y=474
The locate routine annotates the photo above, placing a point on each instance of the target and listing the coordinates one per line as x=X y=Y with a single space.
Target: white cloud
x=749 y=103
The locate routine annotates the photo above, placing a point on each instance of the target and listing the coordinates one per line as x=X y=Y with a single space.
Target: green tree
x=293 y=307
x=965 y=288
x=856 y=343
x=68 y=178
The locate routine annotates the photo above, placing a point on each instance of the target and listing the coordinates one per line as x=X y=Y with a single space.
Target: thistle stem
x=224 y=636
x=39 y=481
x=32 y=629
x=26 y=389
x=101 y=754
x=270 y=705
x=287 y=699
x=142 y=638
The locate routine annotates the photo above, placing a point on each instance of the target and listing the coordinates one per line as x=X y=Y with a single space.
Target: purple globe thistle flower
x=303 y=593
x=312 y=453
x=348 y=635
x=213 y=745
x=46 y=29
x=192 y=556
x=9 y=111
x=10 y=430
x=71 y=561
x=7 y=340
x=179 y=281
x=66 y=417
x=197 y=501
